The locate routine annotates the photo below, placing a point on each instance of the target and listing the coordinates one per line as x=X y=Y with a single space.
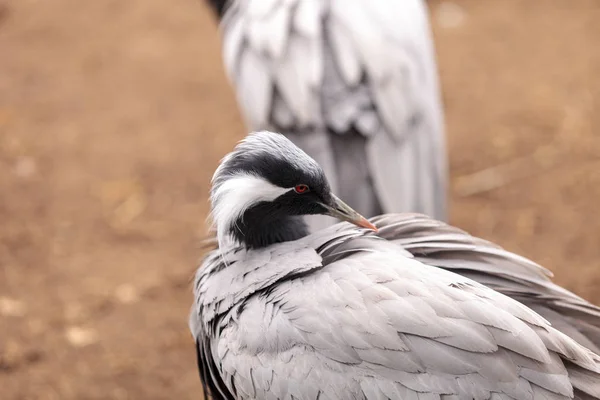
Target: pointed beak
x=342 y=211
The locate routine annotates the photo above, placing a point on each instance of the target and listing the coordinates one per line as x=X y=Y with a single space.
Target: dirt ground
x=113 y=115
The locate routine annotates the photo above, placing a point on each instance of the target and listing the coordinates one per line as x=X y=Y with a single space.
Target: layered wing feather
x=341 y=315
x=438 y=244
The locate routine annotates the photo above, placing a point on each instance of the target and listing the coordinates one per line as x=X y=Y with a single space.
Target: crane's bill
x=340 y=210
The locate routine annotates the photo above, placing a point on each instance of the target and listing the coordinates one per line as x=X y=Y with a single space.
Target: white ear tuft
x=234 y=196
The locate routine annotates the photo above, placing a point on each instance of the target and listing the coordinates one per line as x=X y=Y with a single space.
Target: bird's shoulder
x=395 y=326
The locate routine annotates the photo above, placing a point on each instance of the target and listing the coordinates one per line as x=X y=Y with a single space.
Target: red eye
x=301 y=189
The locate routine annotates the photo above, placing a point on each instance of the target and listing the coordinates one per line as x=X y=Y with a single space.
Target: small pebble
x=127 y=294
x=25 y=167
x=11 y=307
x=81 y=337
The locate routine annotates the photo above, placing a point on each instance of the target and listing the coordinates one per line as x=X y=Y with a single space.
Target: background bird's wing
x=373 y=324
x=438 y=244
x=385 y=86
x=355 y=85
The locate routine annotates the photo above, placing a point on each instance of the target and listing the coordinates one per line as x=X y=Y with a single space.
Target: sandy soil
x=113 y=115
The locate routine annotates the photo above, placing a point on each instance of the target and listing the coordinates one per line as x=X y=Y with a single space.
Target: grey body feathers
x=346 y=314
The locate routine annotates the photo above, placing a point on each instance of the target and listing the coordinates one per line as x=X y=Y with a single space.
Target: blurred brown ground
x=113 y=115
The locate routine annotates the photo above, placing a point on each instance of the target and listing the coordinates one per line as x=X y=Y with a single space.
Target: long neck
x=256 y=232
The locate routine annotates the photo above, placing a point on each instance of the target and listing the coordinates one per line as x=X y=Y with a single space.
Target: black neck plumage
x=257 y=228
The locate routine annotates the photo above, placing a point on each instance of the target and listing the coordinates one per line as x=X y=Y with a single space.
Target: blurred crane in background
x=354 y=84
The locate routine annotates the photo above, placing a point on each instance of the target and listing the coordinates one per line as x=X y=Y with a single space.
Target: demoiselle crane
x=348 y=313
x=354 y=84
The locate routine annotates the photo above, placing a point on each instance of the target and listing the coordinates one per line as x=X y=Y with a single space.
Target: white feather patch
x=236 y=195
